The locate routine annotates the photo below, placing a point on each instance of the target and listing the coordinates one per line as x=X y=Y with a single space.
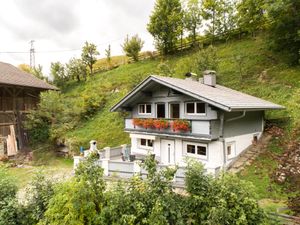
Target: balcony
x=205 y=129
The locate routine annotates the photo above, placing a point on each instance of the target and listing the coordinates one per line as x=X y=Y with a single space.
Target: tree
x=76 y=69
x=58 y=72
x=132 y=46
x=26 y=68
x=108 y=54
x=284 y=29
x=251 y=15
x=227 y=18
x=192 y=17
x=89 y=55
x=38 y=72
x=211 y=13
x=165 y=24
x=206 y=59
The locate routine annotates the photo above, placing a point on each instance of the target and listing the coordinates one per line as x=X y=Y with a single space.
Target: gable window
x=195 y=108
x=230 y=150
x=196 y=150
x=144 y=108
x=146 y=143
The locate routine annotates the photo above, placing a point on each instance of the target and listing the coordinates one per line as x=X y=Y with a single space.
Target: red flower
x=148 y=123
x=160 y=124
x=181 y=125
x=137 y=122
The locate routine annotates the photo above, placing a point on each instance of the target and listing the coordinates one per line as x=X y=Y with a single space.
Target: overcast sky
x=58 y=25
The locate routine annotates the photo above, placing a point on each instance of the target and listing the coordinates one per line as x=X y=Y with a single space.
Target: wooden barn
x=19 y=93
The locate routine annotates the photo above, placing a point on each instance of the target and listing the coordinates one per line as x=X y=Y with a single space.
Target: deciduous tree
x=89 y=55
x=166 y=24
x=193 y=17
x=132 y=47
x=76 y=69
x=58 y=72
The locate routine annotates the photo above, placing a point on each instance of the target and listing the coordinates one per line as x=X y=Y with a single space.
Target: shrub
x=38 y=195
x=9 y=208
x=224 y=200
x=80 y=200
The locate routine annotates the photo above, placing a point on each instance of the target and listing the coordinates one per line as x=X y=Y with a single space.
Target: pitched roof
x=11 y=75
x=218 y=96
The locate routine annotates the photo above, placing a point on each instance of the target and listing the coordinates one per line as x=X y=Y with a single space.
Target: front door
x=167 y=151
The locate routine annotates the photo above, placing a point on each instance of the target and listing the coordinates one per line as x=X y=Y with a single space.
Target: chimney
x=209 y=78
x=191 y=76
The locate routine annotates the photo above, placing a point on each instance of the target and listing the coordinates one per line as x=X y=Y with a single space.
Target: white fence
x=115 y=163
x=125 y=169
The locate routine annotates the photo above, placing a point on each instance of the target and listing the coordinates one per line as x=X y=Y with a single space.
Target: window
x=201 y=150
x=145 y=109
x=174 y=111
x=160 y=110
x=195 y=108
x=146 y=143
x=230 y=150
x=197 y=150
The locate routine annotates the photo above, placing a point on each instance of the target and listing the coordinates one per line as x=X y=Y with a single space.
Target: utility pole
x=32 y=56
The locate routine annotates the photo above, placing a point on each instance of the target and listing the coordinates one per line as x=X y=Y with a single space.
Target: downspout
x=221 y=132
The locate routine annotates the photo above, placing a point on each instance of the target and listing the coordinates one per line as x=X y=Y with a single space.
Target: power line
x=56 y=51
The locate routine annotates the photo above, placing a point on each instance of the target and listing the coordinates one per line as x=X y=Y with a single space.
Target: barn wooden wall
x=15 y=103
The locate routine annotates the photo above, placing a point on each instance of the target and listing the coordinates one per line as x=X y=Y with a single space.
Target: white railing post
x=107 y=153
x=136 y=167
x=124 y=155
x=104 y=165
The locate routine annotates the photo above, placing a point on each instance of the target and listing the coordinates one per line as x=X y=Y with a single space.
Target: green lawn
x=43 y=162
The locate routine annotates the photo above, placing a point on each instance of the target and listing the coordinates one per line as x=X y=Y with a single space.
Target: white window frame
x=145 y=108
x=233 y=150
x=195 y=109
x=145 y=146
x=204 y=157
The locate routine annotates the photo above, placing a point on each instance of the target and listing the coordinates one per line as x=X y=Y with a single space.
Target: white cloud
x=62 y=25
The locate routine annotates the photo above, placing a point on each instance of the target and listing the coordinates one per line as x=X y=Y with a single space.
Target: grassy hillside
x=263 y=74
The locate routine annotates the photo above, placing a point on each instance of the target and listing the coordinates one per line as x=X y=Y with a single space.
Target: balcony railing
x=199 y=128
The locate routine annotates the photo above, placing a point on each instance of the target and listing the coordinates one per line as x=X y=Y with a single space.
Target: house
x=179 y=118
x=19 y=93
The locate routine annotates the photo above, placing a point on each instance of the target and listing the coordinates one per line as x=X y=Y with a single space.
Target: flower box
x=181 y=125
x=161 y=124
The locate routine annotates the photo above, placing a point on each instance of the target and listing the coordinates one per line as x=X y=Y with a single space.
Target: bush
x=38 y=195
x=9 y=208
x=224 y=200
x=80 y=200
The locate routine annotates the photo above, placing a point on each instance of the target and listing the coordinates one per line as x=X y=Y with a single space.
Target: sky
x=59 y=28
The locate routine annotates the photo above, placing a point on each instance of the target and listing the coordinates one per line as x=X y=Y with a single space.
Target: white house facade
x=176 y=119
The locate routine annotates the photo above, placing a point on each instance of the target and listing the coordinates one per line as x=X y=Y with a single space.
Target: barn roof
x=11 y=75
x=218 y=96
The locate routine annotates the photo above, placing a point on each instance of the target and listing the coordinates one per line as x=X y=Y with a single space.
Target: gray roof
x=11 y=75
x=218 y=96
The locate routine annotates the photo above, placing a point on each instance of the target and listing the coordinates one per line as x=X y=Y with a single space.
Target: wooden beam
x=6 y=124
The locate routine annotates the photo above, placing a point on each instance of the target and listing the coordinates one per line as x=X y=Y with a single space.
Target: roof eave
x=148 y=79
